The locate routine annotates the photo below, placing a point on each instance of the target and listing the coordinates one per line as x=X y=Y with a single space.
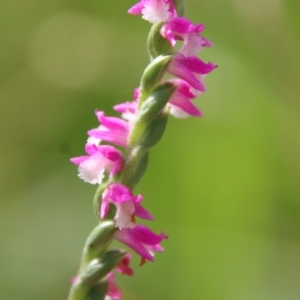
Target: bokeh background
x=225 y=188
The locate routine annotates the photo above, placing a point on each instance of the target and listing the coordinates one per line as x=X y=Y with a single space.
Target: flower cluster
x=106 y=160
x=185 y=65
x=119 y=145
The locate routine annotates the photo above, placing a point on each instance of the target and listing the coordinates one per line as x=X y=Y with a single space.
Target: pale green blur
x=225 y=187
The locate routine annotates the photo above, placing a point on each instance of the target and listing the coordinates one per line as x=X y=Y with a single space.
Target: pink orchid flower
x=128 y=206
x=142 y=240
x=101 y=159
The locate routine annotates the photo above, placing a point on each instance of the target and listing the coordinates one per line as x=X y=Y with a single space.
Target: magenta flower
x=103 y=158
x=180 y=28
x=142 y=240
x=112 y=130
x=128 y=206
x=154 y=10
x=180 y=104
x=123 y=266
x=188 y=68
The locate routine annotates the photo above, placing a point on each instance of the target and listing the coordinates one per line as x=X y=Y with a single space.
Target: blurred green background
x=225 y=188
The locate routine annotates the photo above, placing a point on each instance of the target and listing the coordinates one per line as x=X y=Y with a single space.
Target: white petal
x=177 y=112
x=91 y=170
x=124 y=214
x=129 y=116
x=192 y=44
x=156 y=11
x=93 y=140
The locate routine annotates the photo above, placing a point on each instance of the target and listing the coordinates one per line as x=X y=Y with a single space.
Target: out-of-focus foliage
x=225 y=188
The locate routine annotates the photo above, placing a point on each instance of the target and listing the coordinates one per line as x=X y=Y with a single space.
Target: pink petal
x=104 y=208
x=182 y=99
x=142 y=213
x=113 y=290
x=183 y=88
x=125 y=236
x=78 y=160
x=179 y=25
x=137 y=8
x=126 y=107
x=116 y=137
x=156 y=248
x=206 y=42
x=144 y=235
x=123 y=266
x=113 y=155
x=110 y=152
x=194 y=64
x=120 y=193
x=136 y=93
x=167 y=33
x=112 y=123
x=198 y=28
x=91 y=148
x=177 y=68
x=188 y=107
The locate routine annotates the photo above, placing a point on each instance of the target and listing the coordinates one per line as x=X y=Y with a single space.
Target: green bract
x=99 y=268
x=156 y=43
x=152 y=75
